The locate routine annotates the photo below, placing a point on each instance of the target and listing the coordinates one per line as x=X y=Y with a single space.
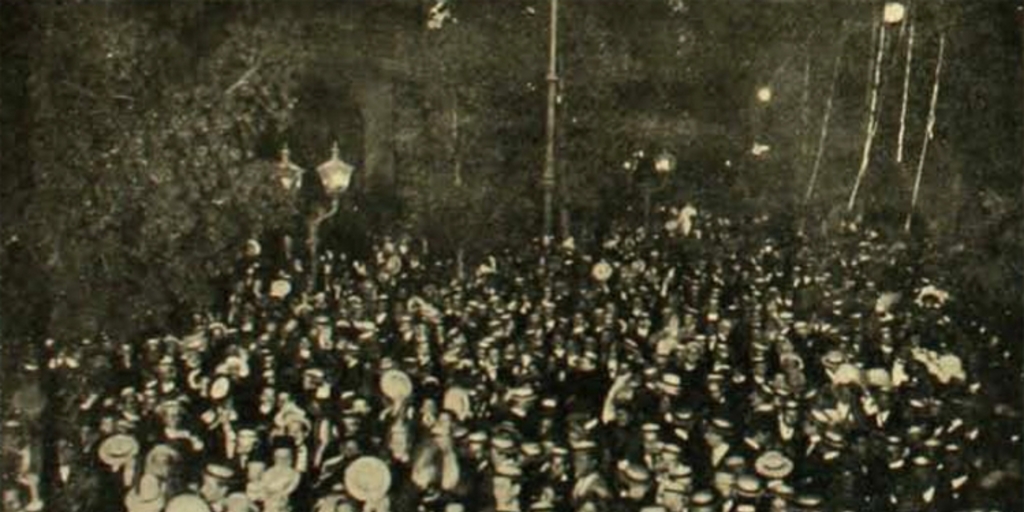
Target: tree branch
x=243 y=79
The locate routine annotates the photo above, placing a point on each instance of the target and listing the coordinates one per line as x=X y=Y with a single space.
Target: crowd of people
x=714 y=365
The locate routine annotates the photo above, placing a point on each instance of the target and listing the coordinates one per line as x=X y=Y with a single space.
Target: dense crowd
x=714 y=365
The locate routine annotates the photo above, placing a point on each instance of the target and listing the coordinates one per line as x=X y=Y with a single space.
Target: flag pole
x=928 y=133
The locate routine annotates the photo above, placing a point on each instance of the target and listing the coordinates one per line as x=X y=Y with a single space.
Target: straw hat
x=147 y=497
x=878 y=378
x=396 y=385
x=220 y=388
x=602 y=271
x=239 y=502
x=280 y=288
x=773 y=465
x=187 y=503
x=118 y=449
x=367 y=479
x=748 y=486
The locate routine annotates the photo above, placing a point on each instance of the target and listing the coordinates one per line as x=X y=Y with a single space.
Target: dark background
x=139 y=138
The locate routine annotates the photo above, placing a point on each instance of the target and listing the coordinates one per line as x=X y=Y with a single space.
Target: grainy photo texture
x=511 y=255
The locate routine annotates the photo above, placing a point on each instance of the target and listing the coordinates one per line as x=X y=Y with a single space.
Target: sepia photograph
x=512 y=255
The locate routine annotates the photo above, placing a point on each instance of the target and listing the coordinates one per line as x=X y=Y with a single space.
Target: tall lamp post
x=651 y=176
x=548 y=179
x=335 y=177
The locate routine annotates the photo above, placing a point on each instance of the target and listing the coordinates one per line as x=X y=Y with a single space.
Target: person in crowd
x=654 y=371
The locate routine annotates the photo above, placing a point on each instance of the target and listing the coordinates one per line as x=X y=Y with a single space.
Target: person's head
x=160 y=461
x=559 y=463
x=673 y=501
x=715 y=390
x=284 y=455
x=723 y=483
x=637 y=481
x=165 y=369
x=246 y=441
x=506 y=491
x=254 y=470
x=713 y=437
x=108 y=425
x=351 y=423
x=398 y=440
x=215 y=483
x=583 y=462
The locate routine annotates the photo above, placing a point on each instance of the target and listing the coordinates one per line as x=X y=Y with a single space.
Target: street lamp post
x=652 y=173
x=548 y=178
x=335 y=177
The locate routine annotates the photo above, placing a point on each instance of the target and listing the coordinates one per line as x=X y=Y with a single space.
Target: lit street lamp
x=289 y=174
x=335 y=174
x=651 y=175
x=335 y=177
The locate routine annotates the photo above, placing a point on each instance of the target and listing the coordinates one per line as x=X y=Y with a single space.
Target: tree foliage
x=146 y=178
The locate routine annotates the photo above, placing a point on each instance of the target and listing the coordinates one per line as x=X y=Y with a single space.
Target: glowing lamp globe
x=289 y=174
x=894 y=12
x=665 y=163
x=335 y=174
x=764 y=94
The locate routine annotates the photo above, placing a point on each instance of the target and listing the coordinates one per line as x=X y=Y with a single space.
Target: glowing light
x=760 y=149
x=894 y=12
x=764 y=94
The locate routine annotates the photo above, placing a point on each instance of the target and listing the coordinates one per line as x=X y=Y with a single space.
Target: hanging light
x=335 y=174
x=894 y=12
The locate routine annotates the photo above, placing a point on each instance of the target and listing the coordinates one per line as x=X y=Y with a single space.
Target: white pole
x=928 y=134
x=872 y=121
x=906 y=94
x=824 y=130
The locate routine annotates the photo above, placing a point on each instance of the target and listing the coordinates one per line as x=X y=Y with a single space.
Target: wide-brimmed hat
x=147 y=496
x=395 y=384
x=670 y=383
x=219 y=471
x=456 y=400
x=809 y=502
x=601 y=271
x=187 y=503
x=367 y=479
x=703 y=501
x=748 y=486
x=773 y=465
x=161 y=450
x=634 y=473
x=832 y=359
x=118 y=449
x=220 y=388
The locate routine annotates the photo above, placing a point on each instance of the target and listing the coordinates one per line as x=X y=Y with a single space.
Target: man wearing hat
x=704 y=501
x=636 y=487
x=715 y=448
x=674 y=489
x=589 y=483
x=216 y=480
x=556 y=475
x=749 y=493
x=502 y=492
